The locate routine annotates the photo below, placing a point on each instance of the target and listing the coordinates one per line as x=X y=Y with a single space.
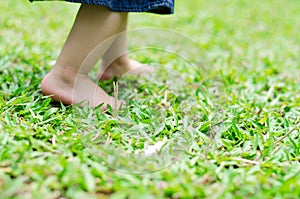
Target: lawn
x=222 y=108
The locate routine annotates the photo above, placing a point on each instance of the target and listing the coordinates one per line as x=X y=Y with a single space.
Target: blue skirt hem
x=153 y=6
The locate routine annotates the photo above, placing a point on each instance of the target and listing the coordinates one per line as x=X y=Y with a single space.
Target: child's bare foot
x=121 y=66
x=71 y=88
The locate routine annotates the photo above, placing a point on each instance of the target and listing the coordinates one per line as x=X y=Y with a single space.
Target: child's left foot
x=123 y=66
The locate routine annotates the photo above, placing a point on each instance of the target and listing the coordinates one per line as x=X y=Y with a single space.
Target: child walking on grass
x=96 y=21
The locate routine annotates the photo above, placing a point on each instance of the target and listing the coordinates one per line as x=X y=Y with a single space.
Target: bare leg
x=116 y=62
x=68 y=81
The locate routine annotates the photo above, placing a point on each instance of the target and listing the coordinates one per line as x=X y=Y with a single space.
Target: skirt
x=153 y=6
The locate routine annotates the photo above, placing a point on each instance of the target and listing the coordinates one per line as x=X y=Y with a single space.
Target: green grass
x=238 y=120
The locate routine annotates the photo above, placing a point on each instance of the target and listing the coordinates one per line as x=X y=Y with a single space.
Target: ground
x=240 y=111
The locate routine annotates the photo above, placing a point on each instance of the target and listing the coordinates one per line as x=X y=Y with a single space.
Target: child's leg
x=116 y=62
x=68 y=81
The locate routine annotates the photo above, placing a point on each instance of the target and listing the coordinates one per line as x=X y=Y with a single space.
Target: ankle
x=121 y=61
x=64 y=73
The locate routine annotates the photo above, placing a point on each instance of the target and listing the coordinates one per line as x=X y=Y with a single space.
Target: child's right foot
x=73 y=88
x=121 y=66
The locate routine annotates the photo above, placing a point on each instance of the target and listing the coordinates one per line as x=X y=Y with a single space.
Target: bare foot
x=122 y=66
x=73 y=88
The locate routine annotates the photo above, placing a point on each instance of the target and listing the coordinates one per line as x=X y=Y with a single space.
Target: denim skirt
x=154 y=6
